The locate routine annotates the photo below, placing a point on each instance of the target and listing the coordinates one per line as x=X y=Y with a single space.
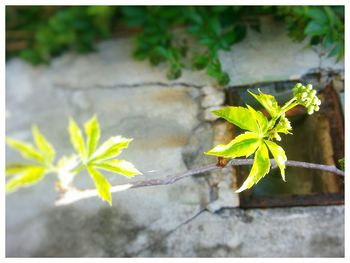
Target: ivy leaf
x=76 y=137
x=261 y=167
x=318 y=15
x=244 y=144
x=279 y=155
x=25 y=149
x=239 y=116
x=214 y=26
x=313 y=28
x=229 y=37
x=92 y=130
x=268 y=102
x=111 y=148
x=118 y=166
x=101 y=183
x=200 y=61
x=27 y=177
x=260 y=119
x=43 y=145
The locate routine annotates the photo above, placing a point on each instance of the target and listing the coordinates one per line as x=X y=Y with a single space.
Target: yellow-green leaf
x=27 y=177
x=279 y=155
x=268 y=102
x=118 y=166
x=261 y=120
x=101 y=183
x=76 y=138
x=16 y=168
x=26 y=150
x=261 y=167
x=43 y=145
x=239 y=116
x=92 y=130
x=244 y=144
x=110 y=148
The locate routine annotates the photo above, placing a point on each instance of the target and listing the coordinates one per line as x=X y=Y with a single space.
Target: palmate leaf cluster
x=89 y=155
x=261 y=131
x=41 y=155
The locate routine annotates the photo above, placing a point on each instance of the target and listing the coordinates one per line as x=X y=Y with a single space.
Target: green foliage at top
x=89 y=155
x=323 y=24
x=46 y=31
x=39 y=33
x=261 y=131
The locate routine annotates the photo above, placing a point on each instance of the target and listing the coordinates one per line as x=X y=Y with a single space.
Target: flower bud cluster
x=306 y=96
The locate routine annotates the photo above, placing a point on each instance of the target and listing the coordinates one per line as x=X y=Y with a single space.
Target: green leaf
x=214 y=26
x=313 y=28
x=43 y=145
x=342 y=164
x=318 y=15
x=92 y=130
x=244 y=144
x=25 y=149
x=118 y=166
x=328 y=41
x=261 y=167
x=229 y=37
x=200 y=61
x=101 y=183
x=239 y=116
x=223 y=79
x=268 y=102
x=330 y=15
x=27 y=177
x=111 y=148
x=279 y=155
x=338 y=49
x=261 y=120
x=76 y=137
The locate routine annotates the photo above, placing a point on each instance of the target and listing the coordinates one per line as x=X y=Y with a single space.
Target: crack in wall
x=161 y=239
x=67 y=86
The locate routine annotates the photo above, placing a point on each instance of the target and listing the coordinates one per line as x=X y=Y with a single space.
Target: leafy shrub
x=50 y=30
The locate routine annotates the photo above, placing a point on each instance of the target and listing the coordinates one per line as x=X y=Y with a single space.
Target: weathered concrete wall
x=166 y=121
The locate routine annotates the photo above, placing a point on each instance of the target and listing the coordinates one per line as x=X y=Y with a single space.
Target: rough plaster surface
x=272 y=56
x=135 y=100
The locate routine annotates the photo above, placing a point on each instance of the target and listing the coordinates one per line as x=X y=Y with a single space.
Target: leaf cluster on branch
x=88 y=156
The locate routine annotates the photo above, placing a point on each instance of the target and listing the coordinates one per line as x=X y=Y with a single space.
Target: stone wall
x=171 y=125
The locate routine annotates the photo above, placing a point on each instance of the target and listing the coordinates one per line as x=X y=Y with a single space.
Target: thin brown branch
x=74 y=195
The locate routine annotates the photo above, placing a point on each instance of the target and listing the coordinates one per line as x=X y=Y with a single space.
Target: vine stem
x=74 y=195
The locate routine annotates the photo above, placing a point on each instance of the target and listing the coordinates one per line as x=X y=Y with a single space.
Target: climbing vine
x=176 y=36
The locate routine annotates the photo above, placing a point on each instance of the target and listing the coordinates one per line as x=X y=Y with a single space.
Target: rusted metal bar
x=317 y=199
